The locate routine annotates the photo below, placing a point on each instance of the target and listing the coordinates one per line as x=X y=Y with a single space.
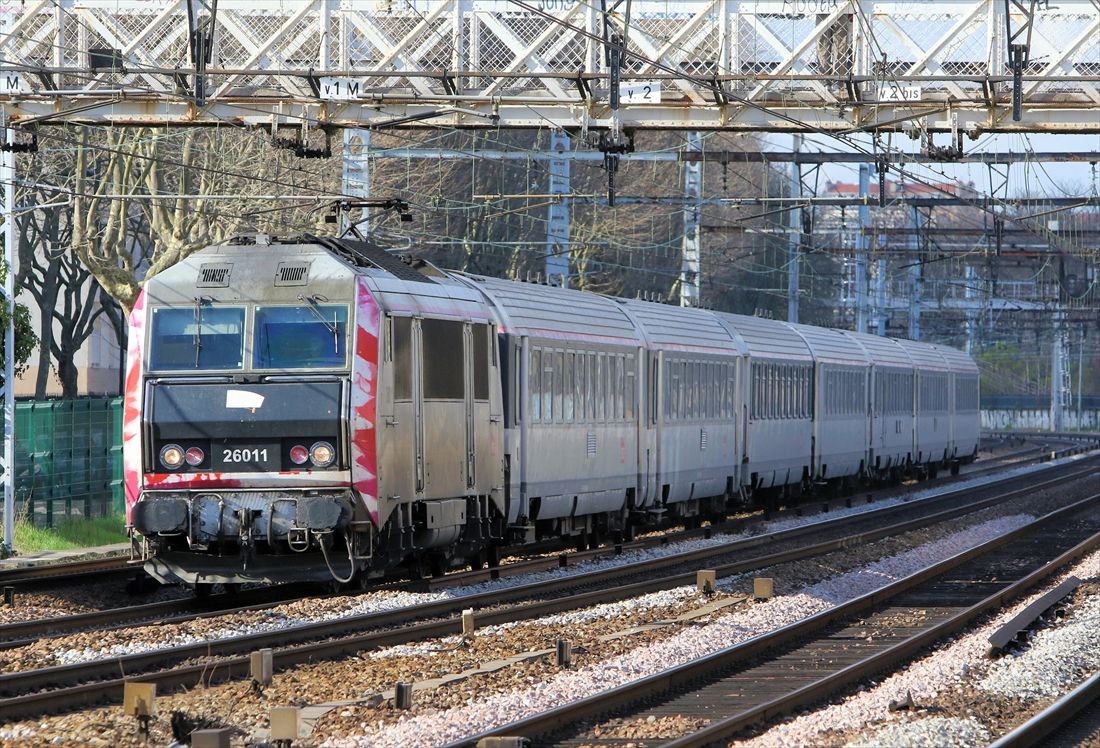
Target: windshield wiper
x=197 y=339
x=330 y=326
x=200 y=301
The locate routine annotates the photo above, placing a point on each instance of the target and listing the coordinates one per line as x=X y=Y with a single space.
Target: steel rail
x=21 y=633
x=38 y=573
x=28 y=703
x=55 y=572
x=828 y=686
x=661 y=683
x=1053 y=717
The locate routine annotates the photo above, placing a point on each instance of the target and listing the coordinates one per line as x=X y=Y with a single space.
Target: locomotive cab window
x=483 y=347
x=301 y=337
x=441 y=346
x=402 y=358
x=197 y=338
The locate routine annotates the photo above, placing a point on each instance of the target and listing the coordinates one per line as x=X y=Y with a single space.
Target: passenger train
x=318 y=409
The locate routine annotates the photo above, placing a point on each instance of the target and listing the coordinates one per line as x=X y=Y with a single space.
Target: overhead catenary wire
x=468 y=207
x=464 y=207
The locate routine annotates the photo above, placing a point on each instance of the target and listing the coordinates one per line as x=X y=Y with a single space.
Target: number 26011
x=245 y=455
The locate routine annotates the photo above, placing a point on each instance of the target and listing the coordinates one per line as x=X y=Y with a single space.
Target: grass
x=69 y=534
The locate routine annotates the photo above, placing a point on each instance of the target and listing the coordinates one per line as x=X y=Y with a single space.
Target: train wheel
x=419 y=568
x=476 y=561
x=202 y=590
x=955 y=467
x=141 y=584
x=492 y=556
x=231 y=588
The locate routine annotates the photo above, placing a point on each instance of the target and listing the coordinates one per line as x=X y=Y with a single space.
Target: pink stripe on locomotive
x=364 y=407
x=131 y=419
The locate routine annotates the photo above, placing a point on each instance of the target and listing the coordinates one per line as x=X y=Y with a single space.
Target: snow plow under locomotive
x=319 y=409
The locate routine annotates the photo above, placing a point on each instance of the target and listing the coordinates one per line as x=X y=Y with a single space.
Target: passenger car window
x=568 y=414
x=301 y=337
x=534 y=384
x=197 y=338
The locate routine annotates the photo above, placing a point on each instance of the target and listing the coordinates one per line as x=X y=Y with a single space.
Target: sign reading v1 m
x=332 y=88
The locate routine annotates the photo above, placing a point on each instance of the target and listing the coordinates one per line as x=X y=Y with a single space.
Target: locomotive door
x=400 y=450
x=651 y=417
x=418 y=404
x=468 y=400
x=657 y=393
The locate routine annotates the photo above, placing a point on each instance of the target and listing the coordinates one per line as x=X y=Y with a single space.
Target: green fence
x=68 y=459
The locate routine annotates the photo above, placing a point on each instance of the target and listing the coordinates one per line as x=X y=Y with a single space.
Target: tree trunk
x=42 y=381
x=67 y=372
x=45 y=342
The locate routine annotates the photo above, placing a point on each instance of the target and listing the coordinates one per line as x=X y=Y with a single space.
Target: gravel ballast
x=479 y=715
x=95 y=645
x=959 y=678
x=237 y=705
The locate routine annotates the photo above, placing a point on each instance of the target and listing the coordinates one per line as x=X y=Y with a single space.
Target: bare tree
x=144 y=199
x=69 y=298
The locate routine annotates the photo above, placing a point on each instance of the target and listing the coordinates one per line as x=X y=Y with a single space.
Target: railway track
x=1072 y=720
x=1049 y=447
x=228 y=657
x=39 y=574
x=819 y=657
x=187 y=609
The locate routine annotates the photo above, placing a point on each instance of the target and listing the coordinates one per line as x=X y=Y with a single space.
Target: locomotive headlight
x=322 y=454
x=194 y=456
x=299 y=454
x=171 y=456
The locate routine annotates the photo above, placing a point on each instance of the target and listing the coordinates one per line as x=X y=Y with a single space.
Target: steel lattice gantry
x=695 y=64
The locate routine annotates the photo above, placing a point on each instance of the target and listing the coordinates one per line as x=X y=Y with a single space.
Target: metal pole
x=1080 y=381
x=7 y=176
x=693 y=191
x=970 y=294
x=557 y=224
x=795 y=217
x=356 y=173
x=880 y=298
x=1057 y=363
x=916 y=279
x=861 y=249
